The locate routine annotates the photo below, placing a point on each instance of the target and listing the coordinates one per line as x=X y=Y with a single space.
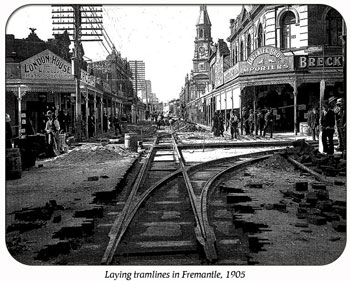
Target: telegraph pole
x=77 y=74
x=75 y=19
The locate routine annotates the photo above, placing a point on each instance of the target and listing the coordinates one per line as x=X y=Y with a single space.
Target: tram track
x=165 y=217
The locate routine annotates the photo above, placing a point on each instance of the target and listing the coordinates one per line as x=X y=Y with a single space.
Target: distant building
x=138 y=70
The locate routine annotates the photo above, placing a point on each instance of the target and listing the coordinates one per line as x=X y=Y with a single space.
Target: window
x=260 y=36
x=288 y=31
x=242 y=53
x=233 y=56
x=333 y=28
x=249 y=45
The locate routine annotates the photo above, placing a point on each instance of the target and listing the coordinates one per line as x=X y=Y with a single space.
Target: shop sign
x=46 y=66
x=87 y=79
x=231 y=73
x=266 y=60
x=305 y=62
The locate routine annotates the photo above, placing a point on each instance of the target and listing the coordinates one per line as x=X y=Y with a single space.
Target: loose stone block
x=322 y=194
x=324 y=206
x=280 y=206
x=317 y=220
x=256 y=185
x=301 y=186
x=330 y=216
x=318 y=185
x=312 y=198
x=302 y=224
x=237 y=198
x=339 y=226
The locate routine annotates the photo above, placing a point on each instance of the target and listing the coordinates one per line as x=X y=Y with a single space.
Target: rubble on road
x=185 y=126
x=276 y=162
x=309 y=156
x=93 y=151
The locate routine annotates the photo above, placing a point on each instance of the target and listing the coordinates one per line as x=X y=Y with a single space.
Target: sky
x=160 y=35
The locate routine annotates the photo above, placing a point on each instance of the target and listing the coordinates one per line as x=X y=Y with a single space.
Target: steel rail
x=204 y=233
x=122 y=221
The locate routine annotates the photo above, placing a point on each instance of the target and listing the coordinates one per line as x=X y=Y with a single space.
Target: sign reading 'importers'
x=265 y=60
x=46 y=66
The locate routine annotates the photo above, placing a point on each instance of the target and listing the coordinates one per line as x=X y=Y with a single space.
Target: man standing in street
x=312 y=121
x=327 y=123
x=340 y=122
x=268 y=122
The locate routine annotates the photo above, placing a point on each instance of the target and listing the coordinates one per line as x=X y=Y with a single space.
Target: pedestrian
x=91 y=125
x=8 y=131
x=52 y=129
x=268 y=119
x=340 y=122
x=245 y=120
x=251 y=122
x=260 y=122
x=215 y=128
x=116 y=124
x=327 y=124
x=159 y=121
x=312 y=121
x=221 y=125
x=105 y=122
x=234 y=120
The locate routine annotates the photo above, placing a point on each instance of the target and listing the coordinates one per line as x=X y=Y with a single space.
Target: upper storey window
x=333 y=28
x=260 y=36
x=249 y=45
x=288 y=30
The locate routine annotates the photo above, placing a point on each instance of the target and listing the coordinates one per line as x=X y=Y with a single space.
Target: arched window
x=241 y=52
x=201 y=33
x=288 y=32
x=260 y=36
x=249 y=45
x=333 y=28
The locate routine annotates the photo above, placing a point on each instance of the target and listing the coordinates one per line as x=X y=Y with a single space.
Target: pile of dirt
x=185 y=126
x=93 y=152
x=276 y=162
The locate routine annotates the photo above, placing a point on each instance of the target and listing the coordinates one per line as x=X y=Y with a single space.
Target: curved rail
x=204 y=232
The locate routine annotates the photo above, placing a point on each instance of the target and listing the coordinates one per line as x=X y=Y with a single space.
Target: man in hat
x=327 y=124
x=331 y=101
x=340 y=122
x=52 y=129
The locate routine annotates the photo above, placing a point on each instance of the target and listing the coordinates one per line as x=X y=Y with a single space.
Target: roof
x=203 y=18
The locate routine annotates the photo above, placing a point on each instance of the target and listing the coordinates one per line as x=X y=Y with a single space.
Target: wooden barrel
x=13 y=163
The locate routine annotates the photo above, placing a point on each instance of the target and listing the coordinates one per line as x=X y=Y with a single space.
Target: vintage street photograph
x=199 y=135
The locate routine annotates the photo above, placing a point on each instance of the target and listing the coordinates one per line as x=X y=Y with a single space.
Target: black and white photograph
x=193 y=140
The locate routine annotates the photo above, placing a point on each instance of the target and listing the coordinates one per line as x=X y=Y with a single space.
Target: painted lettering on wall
x=46 y=65
x=303 y=62
x=271 y=51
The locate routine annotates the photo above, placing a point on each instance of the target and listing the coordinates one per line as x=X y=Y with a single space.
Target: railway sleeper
x=149 y=248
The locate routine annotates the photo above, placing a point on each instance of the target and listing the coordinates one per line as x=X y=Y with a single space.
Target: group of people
x=261 y=123
x=332 y=117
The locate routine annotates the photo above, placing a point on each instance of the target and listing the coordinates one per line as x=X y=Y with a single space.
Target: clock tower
x=202 y=44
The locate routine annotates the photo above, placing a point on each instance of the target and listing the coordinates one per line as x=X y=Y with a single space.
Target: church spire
x=203 y=18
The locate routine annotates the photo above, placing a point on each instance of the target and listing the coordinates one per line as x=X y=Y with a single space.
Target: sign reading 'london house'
x=46 y=66
x=266 y=60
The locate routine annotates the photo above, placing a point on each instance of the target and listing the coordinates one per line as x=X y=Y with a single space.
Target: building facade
x=284 y=57
x=39 y=78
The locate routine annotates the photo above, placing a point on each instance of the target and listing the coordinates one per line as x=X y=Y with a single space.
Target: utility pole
x=75 y=19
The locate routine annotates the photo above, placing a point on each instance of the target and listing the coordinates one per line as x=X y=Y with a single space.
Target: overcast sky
x=161 y=36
